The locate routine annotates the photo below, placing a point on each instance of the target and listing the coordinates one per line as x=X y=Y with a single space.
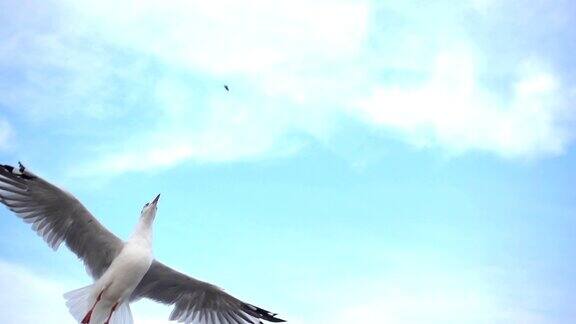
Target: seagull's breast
x=126 y=271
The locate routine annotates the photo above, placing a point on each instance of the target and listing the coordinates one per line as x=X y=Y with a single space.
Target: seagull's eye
x=146 y=204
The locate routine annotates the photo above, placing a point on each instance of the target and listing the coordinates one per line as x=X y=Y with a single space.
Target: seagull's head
x=149 y=209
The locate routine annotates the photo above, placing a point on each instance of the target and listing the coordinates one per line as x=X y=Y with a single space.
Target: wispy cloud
x=298 y=71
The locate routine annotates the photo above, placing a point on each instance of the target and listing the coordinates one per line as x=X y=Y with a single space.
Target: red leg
x=110 y=315
x=86 y=319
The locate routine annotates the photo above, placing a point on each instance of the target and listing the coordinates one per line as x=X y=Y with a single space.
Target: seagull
x=226 y=87
x=122 y=271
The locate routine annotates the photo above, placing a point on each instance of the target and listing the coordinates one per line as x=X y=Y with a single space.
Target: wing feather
x=196 y=301
x=58 y=217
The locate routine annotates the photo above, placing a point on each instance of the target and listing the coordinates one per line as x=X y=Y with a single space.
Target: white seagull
x=122 y=271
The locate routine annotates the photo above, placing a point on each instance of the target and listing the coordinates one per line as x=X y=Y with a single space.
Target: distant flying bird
x=226 y=87
x=123 y=271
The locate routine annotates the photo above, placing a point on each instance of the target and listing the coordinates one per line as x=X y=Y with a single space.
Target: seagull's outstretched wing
x=196 y=301
x=58 y=217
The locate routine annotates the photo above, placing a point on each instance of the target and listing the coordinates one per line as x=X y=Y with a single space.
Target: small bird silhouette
x=226 y=87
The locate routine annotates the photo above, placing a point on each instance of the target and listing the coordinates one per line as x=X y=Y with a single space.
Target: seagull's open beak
x=155 y=201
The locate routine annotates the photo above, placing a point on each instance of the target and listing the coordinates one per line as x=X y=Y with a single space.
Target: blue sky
x=408 y=162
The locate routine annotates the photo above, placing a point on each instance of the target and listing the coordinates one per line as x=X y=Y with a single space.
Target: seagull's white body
x=118 y=282
x=107 y=300
x=127 y=269
x=124 y=274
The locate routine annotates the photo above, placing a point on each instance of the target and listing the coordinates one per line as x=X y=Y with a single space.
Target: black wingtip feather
x=21 y=171
x=261 y=313
x=8 y=168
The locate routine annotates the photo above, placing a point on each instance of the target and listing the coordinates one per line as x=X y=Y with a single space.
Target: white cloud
x=226 y=37
x=452 y=110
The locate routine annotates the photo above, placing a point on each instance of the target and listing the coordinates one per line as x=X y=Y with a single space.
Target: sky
x=395 y=162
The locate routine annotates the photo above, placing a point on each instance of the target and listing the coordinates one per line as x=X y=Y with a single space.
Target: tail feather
x=79 y=302
x=122 y=314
